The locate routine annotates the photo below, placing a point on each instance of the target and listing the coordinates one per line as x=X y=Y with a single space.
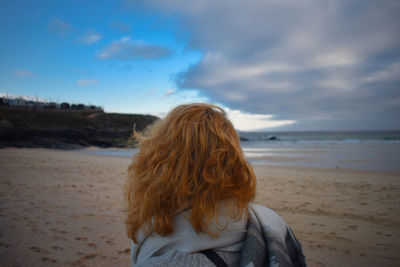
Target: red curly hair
x=191 y=159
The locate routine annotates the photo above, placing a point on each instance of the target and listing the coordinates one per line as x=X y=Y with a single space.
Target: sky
x=271 y=64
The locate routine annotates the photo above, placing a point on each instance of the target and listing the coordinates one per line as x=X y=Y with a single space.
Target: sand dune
x=64 y=208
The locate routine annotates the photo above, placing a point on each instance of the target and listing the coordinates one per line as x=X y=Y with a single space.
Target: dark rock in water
x=243 y=138
x=272 y=137
x=269 y=137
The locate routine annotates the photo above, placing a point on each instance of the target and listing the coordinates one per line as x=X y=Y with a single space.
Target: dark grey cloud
x=326 y=64
x=126 y=49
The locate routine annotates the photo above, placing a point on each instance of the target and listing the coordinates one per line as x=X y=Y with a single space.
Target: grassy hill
x=22 y=127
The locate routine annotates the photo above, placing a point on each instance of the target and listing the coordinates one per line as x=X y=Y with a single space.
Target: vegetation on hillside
x=23 y=127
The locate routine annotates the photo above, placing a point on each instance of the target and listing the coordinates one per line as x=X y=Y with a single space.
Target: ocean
x=362 y=150
x=365 y=150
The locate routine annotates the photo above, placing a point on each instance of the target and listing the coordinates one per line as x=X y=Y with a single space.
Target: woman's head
x=190 y=159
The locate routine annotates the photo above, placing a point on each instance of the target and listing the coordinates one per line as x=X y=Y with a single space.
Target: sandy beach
x=64 y=208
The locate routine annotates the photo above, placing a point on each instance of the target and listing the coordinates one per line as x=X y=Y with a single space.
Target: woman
x=188 y=192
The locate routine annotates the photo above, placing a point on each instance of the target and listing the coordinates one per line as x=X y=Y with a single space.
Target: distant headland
x=28 y=123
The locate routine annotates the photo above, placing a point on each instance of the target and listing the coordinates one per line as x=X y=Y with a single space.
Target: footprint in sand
x=58 y=231
x=125 y=251
x=385 y=247
x=92 y=245
x=35 y=249
x=352 y=227
x=45 y=259
x=90 y=256
x=4 y=245
x=62 y=232
x=60 y=238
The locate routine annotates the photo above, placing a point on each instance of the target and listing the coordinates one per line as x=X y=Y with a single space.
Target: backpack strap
x=214 y=257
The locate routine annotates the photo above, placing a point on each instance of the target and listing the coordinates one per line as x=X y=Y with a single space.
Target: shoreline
x=358 y=156
x=65 y=208
x=340 y=158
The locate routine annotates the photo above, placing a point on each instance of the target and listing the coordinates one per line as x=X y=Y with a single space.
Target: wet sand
x=64 y=208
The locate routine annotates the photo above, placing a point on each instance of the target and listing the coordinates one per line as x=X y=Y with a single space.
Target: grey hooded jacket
x=263 y=239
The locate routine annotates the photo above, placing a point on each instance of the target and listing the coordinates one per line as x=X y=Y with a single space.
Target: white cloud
x=65 y=30
x=244 y=121
x=90 y=38
x=23 y=73
x=127 y=49
x=161 y=115
x=85 y=82
x=335 y=59
x=169 y=92
x=228 y=71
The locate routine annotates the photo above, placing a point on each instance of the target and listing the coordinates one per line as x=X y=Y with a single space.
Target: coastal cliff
x=66 y=129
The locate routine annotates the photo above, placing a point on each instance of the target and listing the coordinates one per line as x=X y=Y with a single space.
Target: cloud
x=90 y=38
x=244 y=121
x=326 y=65
x=65 y=30
x=23 y=73
x=170 y=92
x=127 y=49
x=61 y=28
x=86 y=82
